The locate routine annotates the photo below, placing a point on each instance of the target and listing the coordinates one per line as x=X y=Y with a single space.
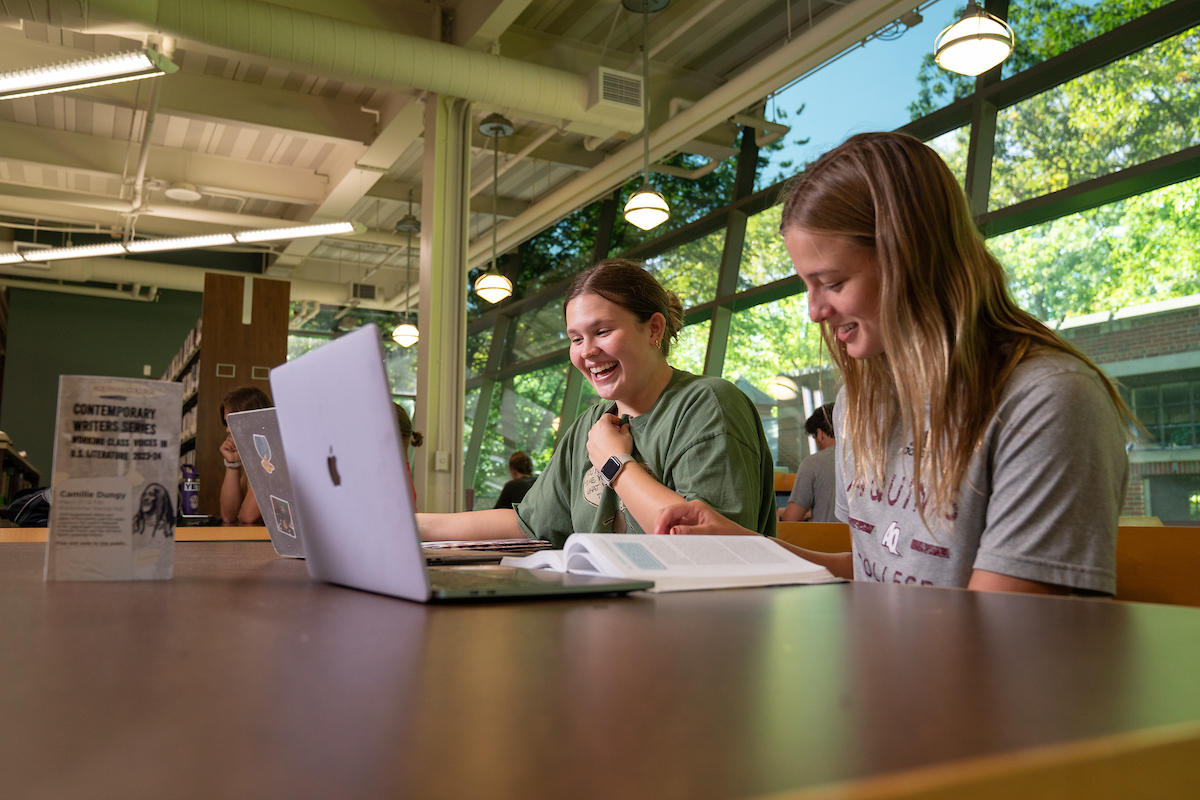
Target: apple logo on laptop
x=333 y=473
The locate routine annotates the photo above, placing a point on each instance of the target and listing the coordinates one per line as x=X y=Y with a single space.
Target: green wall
x=52 y=334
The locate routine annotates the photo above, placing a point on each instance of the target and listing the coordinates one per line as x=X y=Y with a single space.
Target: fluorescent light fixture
x=98 y=71
x=299 y=232
x=974 y=44
x=180 y=243
x=83 y=251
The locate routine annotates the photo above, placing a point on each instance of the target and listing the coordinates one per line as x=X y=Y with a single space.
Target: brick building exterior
x=1153 y=351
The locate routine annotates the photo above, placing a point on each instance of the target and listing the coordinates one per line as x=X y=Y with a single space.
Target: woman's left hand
x=607 y=438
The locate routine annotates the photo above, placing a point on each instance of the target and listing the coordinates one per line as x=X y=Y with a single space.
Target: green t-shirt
x=703 y=438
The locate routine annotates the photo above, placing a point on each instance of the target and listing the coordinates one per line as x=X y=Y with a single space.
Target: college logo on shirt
x=891 y=539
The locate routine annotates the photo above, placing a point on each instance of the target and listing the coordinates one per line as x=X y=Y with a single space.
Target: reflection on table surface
x=242 y=676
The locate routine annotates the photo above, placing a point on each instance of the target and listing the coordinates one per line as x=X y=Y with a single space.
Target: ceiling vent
x=613 y=89
x=362 y=291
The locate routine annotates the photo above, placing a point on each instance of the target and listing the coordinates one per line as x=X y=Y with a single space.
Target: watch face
x=610 y=469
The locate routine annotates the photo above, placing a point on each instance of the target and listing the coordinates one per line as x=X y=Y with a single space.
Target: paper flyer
x=116 y=467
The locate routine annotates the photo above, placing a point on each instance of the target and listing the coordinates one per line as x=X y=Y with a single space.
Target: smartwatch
x=613 y=467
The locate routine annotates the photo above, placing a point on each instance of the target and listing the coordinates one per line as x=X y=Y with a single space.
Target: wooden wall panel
x=234 y=354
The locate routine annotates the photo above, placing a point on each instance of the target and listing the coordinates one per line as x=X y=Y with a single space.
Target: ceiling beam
x=478 y=23
x=403 y=124
x=388 y=189
x=96 y=155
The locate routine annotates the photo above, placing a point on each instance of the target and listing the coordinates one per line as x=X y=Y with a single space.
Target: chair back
x=823 y=537
x=1158 y=564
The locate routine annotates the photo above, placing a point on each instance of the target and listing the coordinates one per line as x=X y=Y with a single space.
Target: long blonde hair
x=952 y=334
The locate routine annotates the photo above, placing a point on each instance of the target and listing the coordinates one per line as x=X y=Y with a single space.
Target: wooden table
x=242 y=677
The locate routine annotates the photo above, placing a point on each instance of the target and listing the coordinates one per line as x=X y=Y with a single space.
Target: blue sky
x=868 y=89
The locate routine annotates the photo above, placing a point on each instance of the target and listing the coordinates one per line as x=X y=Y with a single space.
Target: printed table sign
x=116 y=465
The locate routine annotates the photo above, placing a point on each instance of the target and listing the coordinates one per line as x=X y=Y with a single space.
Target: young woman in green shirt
x=659 y=437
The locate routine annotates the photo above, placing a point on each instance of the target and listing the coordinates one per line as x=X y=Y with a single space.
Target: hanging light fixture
x=974 y=44
x=647 y=208
x=406 y=334
x=783 y=388
x=491 y=285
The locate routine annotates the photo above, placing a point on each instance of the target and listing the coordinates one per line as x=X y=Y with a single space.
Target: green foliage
x=1142 y=249
x=522 y=417
x=1134 y=110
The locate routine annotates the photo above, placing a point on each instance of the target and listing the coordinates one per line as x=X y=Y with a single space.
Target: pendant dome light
x=406 y=334
x=647 y=208
x=491 y=285
x=974 y=44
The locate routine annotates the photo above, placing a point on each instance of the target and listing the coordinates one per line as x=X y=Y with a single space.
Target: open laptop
x=256 y=434
x=350 y=490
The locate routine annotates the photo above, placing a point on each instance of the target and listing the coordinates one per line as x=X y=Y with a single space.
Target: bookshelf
x=240 y=336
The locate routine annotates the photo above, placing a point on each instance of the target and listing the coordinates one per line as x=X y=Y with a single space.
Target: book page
x=700 y=556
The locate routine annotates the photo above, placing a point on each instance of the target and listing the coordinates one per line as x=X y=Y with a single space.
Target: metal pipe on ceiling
x=344 y=50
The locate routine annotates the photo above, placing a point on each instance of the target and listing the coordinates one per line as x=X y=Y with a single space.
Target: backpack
x=30 y=508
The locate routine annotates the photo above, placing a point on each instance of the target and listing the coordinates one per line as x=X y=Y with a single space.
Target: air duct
x=348 y=51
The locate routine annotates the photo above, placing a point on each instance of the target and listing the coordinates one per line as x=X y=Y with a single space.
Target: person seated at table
x=975 y=448
x=659 y=435
x=812 y=496
x=520 y=467
x=408 y=438
x=237 y=498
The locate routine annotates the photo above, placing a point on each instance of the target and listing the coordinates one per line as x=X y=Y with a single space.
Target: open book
x=679 y=563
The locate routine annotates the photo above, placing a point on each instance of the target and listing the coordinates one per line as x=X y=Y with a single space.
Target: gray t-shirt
x=815 y=486
x=703 y=439
x=1040 y=499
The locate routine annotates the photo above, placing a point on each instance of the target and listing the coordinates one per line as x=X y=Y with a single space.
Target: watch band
x=613 y=467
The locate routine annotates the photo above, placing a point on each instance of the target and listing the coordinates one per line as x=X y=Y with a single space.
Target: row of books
x=11 y=483
x=191 y=343
x=191 y=381
x=188 y=428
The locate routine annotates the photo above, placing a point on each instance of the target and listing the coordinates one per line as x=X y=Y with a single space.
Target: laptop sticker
x=283 y=516
x=264 y=449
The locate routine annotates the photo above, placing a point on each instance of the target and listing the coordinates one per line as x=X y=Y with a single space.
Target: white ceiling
x=270 y=142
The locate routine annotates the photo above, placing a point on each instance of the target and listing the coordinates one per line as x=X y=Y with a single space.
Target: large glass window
x=766 y=342
x=690 y=348
x=1047 y=28
x=689 y=199
x=1127 y=253
x=885 y=78
x=1170 y=412
x=538 y=331
x=952 y=147
x=691 y=270
x=522 y=417
x=558 y=252
x=478 y=346
x=1132 y=111
x=764 y=258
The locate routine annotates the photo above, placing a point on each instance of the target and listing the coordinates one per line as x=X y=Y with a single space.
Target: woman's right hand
x=697 y=518
x=229 y=449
